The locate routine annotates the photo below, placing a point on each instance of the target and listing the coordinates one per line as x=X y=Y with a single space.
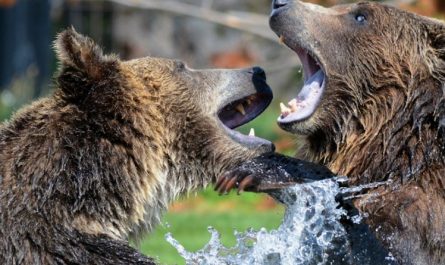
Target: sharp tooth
x=240 y=109
x=293 y=104
x=252 y=132
x=248 y=101
x=281 y=39
x=284 y=110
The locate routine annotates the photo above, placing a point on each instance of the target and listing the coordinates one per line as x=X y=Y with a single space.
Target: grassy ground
x=188 y=221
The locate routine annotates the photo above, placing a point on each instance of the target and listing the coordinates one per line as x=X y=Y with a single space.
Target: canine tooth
x=240 y=109
x=248 y=101
x=283 y=107
x=281 y=39
x=293 y=104
x=252 y=132
x=284 y=110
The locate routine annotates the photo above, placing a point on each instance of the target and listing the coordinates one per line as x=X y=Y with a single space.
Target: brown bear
x=372 y=108
x=100 y=159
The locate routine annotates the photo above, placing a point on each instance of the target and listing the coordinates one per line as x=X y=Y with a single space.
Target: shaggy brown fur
x=381 y=117
x=101 y=159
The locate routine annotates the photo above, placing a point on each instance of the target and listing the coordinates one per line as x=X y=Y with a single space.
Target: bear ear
x=81 y=53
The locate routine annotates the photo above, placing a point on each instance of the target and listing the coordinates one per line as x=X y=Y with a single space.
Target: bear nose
x=279 y=3
x=259 y=72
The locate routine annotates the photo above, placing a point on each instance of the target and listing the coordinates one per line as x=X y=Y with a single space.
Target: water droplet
x=309 y=229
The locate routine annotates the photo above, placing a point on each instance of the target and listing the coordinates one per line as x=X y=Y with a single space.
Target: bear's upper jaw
x=242 y=111
x=304 y=105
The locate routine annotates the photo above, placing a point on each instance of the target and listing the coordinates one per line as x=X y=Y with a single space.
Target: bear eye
x=360 y=18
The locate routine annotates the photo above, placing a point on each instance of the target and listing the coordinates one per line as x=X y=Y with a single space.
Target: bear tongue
x=306 y=101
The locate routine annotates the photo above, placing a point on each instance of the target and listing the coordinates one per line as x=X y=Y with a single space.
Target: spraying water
x=310 y=233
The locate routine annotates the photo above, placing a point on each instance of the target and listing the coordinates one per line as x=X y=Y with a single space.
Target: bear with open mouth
x=372 y=108
x=100 y=159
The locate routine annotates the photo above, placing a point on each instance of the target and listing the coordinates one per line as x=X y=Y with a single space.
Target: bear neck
x=399 y=129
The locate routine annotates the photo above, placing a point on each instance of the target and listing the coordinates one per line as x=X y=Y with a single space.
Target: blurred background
x=203 y=33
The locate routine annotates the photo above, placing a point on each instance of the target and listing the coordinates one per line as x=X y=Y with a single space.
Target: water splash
x=309 y=234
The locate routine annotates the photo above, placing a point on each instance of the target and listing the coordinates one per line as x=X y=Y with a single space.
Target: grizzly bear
x=372 y=108
x=99 y=160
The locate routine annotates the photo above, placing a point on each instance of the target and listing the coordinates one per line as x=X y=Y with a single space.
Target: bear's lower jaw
x=304 y=105
x=251 y=141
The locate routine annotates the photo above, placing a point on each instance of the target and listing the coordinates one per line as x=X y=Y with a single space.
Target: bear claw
x=270 y=172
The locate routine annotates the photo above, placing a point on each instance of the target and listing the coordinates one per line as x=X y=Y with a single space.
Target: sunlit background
x=203 y=33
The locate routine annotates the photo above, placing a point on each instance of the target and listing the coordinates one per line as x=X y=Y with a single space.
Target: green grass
x=190 y=229
x=225 y=213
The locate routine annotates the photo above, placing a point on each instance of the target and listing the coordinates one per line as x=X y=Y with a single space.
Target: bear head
x=159 y=127
x=363 y=63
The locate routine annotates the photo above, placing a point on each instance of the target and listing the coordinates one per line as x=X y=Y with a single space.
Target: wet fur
x=101 y=159
x=382 y=119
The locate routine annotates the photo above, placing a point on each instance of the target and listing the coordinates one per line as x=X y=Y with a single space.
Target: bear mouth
x=242 y=111
x=304 y=105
